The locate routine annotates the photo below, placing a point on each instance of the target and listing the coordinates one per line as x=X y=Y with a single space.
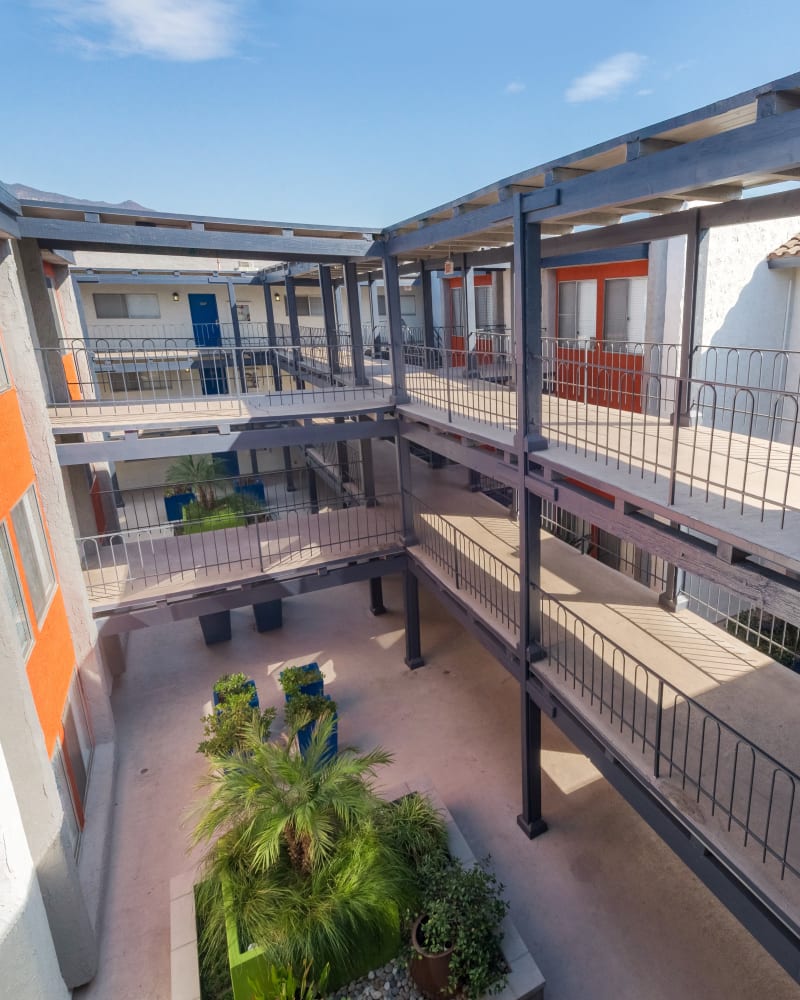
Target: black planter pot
x=431 y=973
x=268 y=615
x=216 y=627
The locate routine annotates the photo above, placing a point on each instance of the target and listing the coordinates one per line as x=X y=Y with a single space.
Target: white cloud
x=180 y=30
x=606 y=79
x=644 y=92
x=515 y=87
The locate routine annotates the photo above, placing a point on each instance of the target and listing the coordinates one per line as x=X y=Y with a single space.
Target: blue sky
x=344 y=112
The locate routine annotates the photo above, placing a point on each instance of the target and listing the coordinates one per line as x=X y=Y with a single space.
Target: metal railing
x=474 y=385
x=728 y=443
x=80 y=379
x=122 y=564
x=677 y=738
x=274 y=492
x=473 y=569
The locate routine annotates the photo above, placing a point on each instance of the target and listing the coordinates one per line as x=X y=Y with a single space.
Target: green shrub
x=463 y=908
x=414 y=828
x=227 y=728
x=293 y=678
x=306 y=708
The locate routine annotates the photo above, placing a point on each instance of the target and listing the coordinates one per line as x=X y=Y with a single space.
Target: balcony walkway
x=735 y=486
x=727 y=748
x=137 y=566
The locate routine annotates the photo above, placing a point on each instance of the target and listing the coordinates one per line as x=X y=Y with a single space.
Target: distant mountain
x=34 y=194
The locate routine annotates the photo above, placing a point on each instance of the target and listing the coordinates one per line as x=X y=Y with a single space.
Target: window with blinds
x=577 y=309
x=36 y=563
x=12 y=589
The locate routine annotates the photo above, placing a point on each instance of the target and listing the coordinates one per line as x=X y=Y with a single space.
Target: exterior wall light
x=277 y=296
x=176 y=296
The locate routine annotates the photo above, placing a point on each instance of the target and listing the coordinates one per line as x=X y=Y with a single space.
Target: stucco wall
x=27 y=956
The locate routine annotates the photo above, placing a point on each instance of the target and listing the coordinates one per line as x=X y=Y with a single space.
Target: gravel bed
x=391 y=982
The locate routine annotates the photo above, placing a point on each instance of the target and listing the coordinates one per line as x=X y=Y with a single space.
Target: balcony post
x=354 y=322
x=376 y=605
x=428 y=332
x=528 y=349
x=272 y=338
x=294 y=329
x=237 y=338
x=413 y=657
x=329 y=312
x=391 y=282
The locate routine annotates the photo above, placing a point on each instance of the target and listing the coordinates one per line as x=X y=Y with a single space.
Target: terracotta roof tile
x=791 y=248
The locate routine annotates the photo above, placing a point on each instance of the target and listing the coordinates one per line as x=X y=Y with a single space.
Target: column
x=272 y=338
x=527 y=339
x=237 y=338
x=433 y=358
x=294 y=328
x=354 y=322
x=376 y=605
x=391 y=282
x=329 y=313
x=413 y=657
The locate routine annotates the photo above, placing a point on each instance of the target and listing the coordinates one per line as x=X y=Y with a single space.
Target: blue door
x=205 y=320
x=207 y=333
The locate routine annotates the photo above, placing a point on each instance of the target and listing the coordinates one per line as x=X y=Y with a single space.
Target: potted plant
x=252 y=488
x=304 y=679
x=303 y=712
x=230 y=686
x=236 y=713
x=176 y=497
x=456 y=938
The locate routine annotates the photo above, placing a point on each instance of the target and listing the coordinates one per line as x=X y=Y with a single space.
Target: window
x=577 y=309
x=408 y=305
x=381 y=304
x=113 y=305
x=309 y=305
x=625 y=309
x=13 y=592
x=120 y=382
x=72 y=759
x=243 y=311
x=484 y=312
x=27 y=520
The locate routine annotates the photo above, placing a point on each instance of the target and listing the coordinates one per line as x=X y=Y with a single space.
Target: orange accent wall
x=52 y=660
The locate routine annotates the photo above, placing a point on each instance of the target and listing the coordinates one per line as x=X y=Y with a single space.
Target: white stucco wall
x=744 y=301
x=27 y=956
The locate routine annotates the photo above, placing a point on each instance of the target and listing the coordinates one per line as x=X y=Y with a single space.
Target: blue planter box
x=174 y=505
x=315 y=687
x=247 y=684
x=255 y=491
x=332 y=746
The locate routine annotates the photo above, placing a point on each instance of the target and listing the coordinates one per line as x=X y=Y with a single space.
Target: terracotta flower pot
x=430 y=972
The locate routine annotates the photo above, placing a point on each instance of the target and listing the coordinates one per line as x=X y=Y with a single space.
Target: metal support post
x=294 y=328
x=287 y=466
x=391 y=282
x=368 y=470
x=413 y=656
x=329 y=313
x=696 y=251
x=376 y=605
x=432 y=357
x=342 y=456
x=272 y=339
x=313 y=499
x=474 y=481
x=237 y=338
x=354 y=322
x=408 y=537
x=528 y=342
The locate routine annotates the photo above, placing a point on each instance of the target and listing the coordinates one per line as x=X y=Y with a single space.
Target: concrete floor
x=606 y=909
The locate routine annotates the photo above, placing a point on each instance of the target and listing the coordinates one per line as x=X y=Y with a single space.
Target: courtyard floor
x=608 y=912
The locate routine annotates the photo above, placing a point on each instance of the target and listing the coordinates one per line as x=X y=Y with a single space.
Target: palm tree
x=297 y=845
x=198 y=471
